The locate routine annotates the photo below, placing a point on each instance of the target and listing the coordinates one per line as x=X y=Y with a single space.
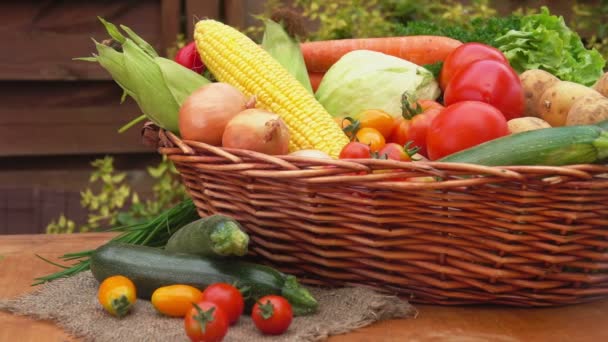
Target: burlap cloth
x=72 y=304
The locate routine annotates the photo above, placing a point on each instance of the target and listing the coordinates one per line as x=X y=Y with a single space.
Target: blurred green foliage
x=115 y=203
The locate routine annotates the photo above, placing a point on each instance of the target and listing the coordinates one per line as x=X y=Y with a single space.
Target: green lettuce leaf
x=545 y=42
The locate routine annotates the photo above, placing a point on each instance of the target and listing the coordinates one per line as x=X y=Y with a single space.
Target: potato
x=526 y=124
x=602 y=85
x=555 y=102
x=534 y=83
x=588 y=110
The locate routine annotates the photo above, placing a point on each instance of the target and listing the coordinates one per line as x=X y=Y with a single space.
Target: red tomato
x=354 y=150
x=463 y=125
x=206 y=322
x=188 y=56
x=272 y=315
x=395 y=151
x=464 y=55
x=228 y=297
x=413 y=126
x=491 y=82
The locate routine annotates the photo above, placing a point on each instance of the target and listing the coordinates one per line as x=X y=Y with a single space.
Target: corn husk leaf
x=113 y=61
x=286 y=50
x=152 y=94
x=180 y=81
x=144 y=45
x=113 y=31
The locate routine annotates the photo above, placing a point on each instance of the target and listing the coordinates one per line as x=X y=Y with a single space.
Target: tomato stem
x=121 y=305
x=407 y=111
x=203 y=317
x=351 y=129
x=409 y=150
x=266 y=309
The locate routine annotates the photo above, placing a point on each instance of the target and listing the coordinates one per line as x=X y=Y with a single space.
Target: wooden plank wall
x=56 y=114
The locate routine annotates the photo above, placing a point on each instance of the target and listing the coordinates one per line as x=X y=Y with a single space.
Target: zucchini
x=548 y=146
x=150 y=268
x=213 y=236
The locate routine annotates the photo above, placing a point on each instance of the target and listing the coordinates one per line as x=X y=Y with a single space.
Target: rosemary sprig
x=154 y=233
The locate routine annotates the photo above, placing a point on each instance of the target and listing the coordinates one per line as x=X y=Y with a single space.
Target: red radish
x=257 y=130
x=188 y=56
x=205 y=113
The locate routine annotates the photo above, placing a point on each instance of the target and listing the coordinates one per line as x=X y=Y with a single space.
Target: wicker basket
x=524 y=236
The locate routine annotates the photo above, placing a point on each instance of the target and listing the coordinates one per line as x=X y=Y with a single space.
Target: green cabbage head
x=364 y=79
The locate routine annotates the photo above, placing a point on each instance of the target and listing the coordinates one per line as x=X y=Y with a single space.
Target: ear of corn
x=158 y=85
x=235 y=59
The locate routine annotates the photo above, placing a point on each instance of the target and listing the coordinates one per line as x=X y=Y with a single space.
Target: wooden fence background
x=57 y=115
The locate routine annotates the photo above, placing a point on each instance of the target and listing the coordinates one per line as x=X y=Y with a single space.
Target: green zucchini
x=213 y=236
x=150 y=268
x=549 y=146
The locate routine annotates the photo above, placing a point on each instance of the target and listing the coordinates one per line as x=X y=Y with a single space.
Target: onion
x=311 y=154
x=205 y=113
x=257 y=130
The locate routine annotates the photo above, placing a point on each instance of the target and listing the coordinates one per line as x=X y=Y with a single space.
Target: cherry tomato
x=188 y=56
x=380 y=120
x=228 y=297
x=175 y=300
x=413 y=125
x=370 y=136
x=355 y=150
x=395 y=151
x=272 y=315
x=206 y=322
x=464 y=55
x=117 y=295
x=463 y=125
x=491 y=82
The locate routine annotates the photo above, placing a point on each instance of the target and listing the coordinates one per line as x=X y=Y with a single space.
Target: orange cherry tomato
x=175 y=300
x=372 y=137
x=117 y=295
x=377 y=119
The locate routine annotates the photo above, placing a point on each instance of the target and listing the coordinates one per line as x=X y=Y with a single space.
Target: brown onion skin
x=257 y=130
x=205 y=113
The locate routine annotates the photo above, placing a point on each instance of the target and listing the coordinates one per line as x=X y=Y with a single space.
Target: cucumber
x=548 y=146
x=150 y=268
x=213 y=236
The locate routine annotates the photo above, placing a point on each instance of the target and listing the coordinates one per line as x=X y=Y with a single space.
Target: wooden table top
x=584 y=322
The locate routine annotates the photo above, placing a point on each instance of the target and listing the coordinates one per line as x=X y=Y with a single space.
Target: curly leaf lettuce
x=545 y=42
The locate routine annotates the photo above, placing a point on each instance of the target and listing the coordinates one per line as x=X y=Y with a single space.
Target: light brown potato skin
x=555 y=103
x=602 y=85
x=588 y=110
x=526 y=124
x=534 y=83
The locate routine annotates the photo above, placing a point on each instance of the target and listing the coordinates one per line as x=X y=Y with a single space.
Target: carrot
x=321 y=55
x=315 y=79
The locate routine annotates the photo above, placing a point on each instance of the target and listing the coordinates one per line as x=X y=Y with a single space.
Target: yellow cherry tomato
x=377 y=119
x=117 y=295
x=372 y=137
x=175 y=300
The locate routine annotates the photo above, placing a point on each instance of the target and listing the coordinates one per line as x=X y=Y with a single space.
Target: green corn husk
x=286 y=50
x=158 y=85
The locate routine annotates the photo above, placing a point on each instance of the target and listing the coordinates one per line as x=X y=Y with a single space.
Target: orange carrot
x=315 y=79
x=321 y=55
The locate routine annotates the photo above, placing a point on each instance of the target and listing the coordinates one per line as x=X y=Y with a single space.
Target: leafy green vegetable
x=545 y=42
x=364 y=79
x=481 y=30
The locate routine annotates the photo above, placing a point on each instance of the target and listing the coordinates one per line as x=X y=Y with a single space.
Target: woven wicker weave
x=525 y=236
